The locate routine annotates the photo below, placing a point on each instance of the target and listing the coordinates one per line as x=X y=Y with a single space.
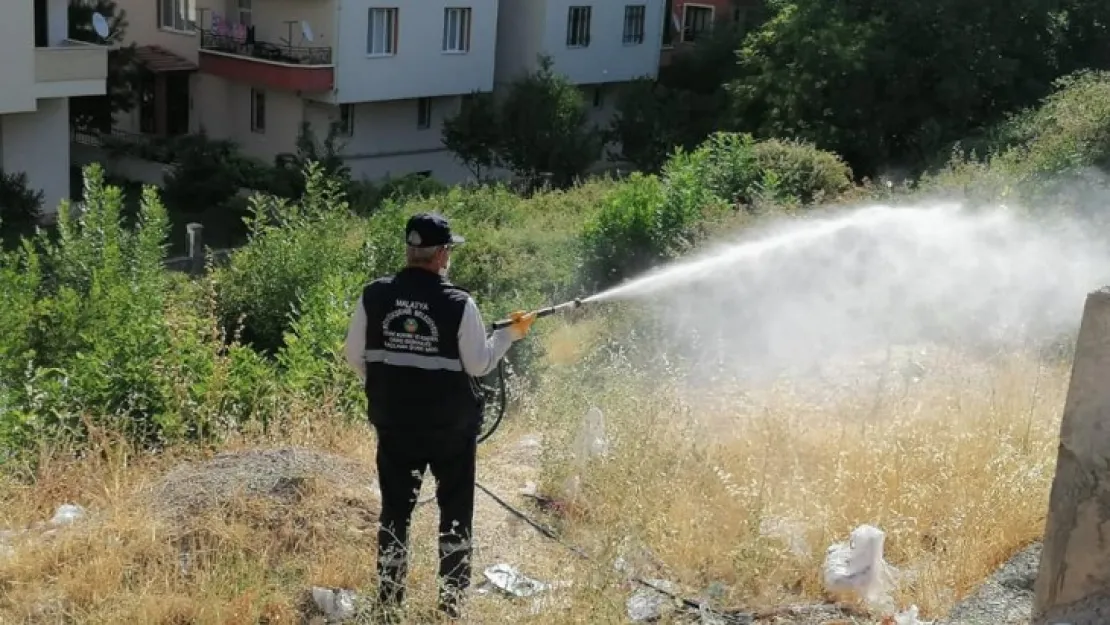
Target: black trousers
x=402 y=458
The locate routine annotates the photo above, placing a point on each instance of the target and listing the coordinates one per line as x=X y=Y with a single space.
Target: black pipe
x=543 y=312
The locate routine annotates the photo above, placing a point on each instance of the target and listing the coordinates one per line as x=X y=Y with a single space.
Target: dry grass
x=743 y=489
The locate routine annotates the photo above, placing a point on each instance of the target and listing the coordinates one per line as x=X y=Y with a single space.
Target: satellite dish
x=100 y=25
x=306 y=31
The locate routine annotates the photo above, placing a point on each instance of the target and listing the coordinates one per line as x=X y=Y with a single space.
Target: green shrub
x=740 y=170
x=97 y=321
x=802 y=172
x=1056 y=151
x=312 y=361
x=98 y=332
x=291 y=247
x=1067 y=132
x=642 y=223
x=20 y=207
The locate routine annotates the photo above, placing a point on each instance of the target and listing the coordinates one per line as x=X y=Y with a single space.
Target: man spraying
x=419 y=344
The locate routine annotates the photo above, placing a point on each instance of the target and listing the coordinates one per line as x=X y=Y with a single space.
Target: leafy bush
x=99 y=333
x=1059 y=150
x=205 y=174
x=291 y=246
x=312 y=360
x=802 y=172
x=644 y=222
x=740 y=170
x=20 y=207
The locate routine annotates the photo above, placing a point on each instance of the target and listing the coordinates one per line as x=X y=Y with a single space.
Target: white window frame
x=686 y=18
x=635 y=22
x=178 y=16
x=258 y=122
x=245 y=11
x=579 y=37
x=347 y=119
x=391 y=17
x=423 y=113
x=456 y=29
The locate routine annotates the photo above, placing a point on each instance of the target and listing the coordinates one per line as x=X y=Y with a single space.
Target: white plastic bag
x=857 y=567
x=909 y=617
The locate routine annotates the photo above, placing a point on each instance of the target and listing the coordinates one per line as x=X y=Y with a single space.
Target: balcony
x=71 y=69
x=271 y=65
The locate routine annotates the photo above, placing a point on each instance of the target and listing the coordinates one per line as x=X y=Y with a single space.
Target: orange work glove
x=522 y=323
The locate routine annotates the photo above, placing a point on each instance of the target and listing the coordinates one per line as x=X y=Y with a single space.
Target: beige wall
x=38 y=143
x=17 y=52
x=223 y=109
x=143 y=28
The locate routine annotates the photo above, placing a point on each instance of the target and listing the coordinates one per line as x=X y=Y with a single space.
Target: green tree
x=682 y=107
x=885 y=84
x=545 y=125
x=125 y=74
x=472 y=134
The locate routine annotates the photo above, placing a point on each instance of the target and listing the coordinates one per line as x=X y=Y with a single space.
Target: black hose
x=501 y=399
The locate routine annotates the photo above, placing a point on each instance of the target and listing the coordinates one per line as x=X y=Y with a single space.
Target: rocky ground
x=1006 y=598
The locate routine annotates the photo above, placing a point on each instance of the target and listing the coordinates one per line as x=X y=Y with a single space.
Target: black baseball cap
x=430 y=230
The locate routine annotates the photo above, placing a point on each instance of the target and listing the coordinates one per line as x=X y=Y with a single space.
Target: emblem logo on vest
x=417 y=331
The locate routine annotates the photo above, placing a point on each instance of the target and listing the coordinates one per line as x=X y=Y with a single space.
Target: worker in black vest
x=419 y=343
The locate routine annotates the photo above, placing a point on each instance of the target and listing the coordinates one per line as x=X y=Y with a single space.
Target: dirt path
x=501 y=538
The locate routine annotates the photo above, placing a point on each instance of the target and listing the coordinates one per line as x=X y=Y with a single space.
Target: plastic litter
x=511 y=581
x=66 y=514
x=857 y=567
x=909 y=617
x=337 y=604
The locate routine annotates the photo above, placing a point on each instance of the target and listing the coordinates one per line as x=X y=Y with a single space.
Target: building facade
x=42 y=69
x=596 y=44
x=688 y=21
x=384 y=73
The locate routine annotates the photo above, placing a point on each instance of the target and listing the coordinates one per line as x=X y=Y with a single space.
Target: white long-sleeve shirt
x=479 y=355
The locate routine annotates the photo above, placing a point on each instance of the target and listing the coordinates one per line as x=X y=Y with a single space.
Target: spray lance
x=543 y=312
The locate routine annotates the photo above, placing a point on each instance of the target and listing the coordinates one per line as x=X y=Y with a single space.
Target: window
x=634 y=24
x=697 y=21
x=578 y=27
x=258 y=111
x=381 y=33
x=177 y=14
x=599 y=98
x=347 y=119
x=456 y=30
x=245 y=12
x=424 y=113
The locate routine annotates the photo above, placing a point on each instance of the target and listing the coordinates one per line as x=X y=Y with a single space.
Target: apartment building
x=42 y=69
x=253 y=71
x=596 y=44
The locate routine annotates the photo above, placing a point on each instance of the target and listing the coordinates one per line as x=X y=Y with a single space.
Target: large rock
x=1073 y=584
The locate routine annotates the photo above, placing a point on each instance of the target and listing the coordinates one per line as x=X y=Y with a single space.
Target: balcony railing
x=265 y=51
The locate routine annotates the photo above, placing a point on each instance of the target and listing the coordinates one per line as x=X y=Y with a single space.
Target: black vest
x=414 y=376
